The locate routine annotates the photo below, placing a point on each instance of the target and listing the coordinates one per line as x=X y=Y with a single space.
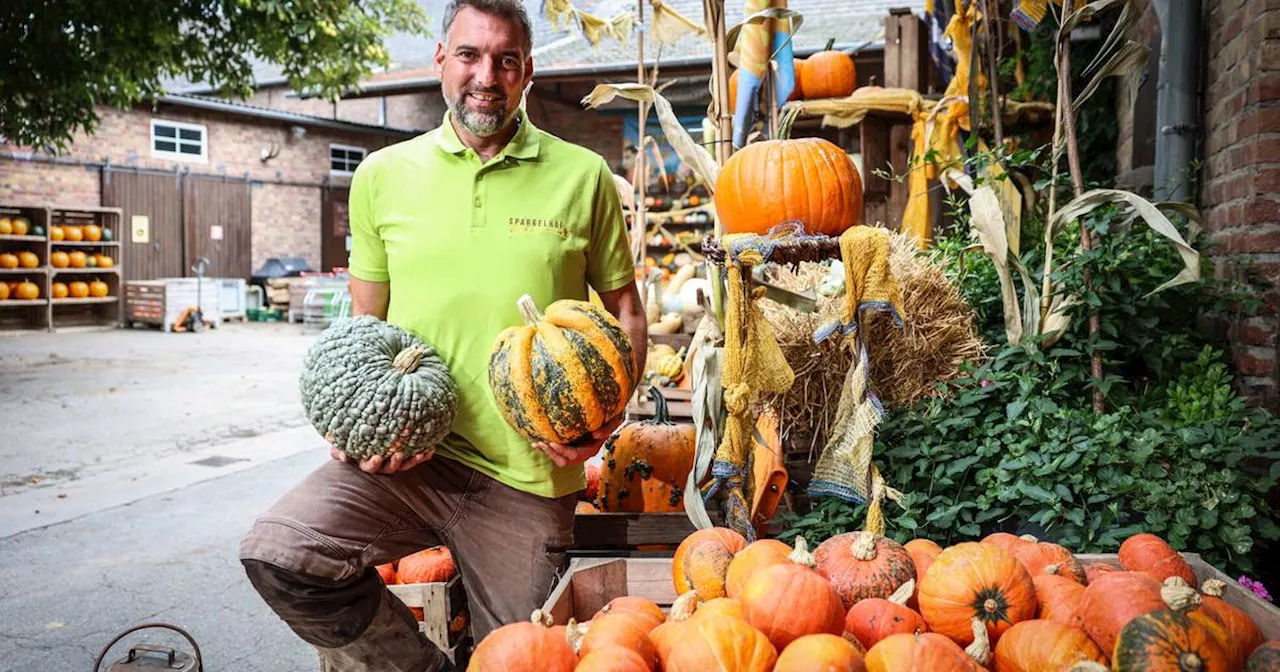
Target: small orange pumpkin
x=524 y=647
x=1031 y=646
x=828 y=74
x=8 y=260
x=1114 y=599
x=820 y=653
x=27 y=291
x=98 y=289
x=647 y=464
x=973 y=580
x=1043 y=557
x=4 y=291
x=28 y=259
x=59 y=259
x=701 y=561
x=58 y=290
x=55 y=233
x=757 y=555
x=863 y=564
x=771 y=182
x=77 y=259
x=1148 y=553
x=875 y=618
x=73 y=234
x=912 y=653
x=719 y=645
x=92 y=233
x=790 y=600
x=629 y=631
x=104 y=261
x=1008 y=541
x=21 y=226
x=78 y=289
x=430 y=565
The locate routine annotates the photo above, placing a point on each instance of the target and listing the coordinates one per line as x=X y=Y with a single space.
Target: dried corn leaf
x=988 y=221
x=1131 y=203
x=1128 y=62
x=1086 y=12
x=691 y=153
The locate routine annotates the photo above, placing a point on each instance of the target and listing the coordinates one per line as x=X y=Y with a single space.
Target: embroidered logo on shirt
x=536 y=225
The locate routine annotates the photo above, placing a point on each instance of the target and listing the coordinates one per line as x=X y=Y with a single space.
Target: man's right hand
x=378 y=464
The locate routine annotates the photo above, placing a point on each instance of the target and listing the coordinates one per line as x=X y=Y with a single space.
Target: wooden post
x=640 y=219
x=906 y=54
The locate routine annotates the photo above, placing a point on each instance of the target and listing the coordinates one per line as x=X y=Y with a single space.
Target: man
x=448 y=230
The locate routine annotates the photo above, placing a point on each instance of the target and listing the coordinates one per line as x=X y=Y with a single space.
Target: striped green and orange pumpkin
x=1169 y=640
x=562 y=374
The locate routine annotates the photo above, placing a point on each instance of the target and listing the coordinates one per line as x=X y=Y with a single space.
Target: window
x=344 y=159
x=176 y=140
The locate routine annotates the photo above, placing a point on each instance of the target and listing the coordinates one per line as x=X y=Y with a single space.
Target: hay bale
x=937 y=337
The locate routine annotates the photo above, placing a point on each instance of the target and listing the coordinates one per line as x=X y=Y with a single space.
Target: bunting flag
x=669 y=25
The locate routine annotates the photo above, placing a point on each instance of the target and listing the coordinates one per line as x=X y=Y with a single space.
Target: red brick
x=1250 y=364
x=1262 y=209
x=1249 y=241
x=1265 y=88
x=1257 y=331
x=1266 y=180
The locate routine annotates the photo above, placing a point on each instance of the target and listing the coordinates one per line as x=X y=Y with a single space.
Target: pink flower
x=1256 y=586
x=986 y=383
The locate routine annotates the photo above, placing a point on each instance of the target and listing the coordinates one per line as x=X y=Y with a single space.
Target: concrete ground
x=132 y=463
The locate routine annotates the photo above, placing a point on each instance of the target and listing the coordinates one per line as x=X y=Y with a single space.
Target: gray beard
x=480 y=124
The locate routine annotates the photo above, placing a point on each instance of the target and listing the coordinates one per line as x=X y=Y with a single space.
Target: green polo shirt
x=460 y=242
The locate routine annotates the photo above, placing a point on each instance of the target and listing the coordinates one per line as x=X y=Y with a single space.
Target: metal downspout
x=1177 y=98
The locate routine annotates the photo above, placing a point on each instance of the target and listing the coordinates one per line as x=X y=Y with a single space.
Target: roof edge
x=216 y=105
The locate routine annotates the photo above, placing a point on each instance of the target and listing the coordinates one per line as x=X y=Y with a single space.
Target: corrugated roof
x=848 y=22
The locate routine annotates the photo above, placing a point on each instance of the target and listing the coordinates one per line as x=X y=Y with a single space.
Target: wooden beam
x=595 y=530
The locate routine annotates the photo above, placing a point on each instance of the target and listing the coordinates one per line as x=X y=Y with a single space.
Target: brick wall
x=287 y=222
x=1240 y=183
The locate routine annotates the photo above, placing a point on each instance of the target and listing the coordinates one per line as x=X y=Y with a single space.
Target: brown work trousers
x=312 y=556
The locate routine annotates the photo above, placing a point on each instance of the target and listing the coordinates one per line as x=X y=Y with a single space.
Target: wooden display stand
x=440 y=603
x=46 y=311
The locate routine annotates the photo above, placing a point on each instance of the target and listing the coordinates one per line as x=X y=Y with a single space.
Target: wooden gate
x=171 y=219
x=334 y=228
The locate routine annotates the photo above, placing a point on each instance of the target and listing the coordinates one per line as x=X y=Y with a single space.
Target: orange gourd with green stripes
x=562 y=374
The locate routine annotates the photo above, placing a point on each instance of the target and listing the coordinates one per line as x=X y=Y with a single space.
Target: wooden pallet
x=161 y=302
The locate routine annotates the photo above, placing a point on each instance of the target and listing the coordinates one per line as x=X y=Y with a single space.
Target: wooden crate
x=590 y=583
x=440 y=604
x=161 y=302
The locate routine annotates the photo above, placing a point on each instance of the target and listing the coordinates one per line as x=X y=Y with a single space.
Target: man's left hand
x=582 y=450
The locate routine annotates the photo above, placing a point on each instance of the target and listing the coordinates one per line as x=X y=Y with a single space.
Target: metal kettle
x=151 y=657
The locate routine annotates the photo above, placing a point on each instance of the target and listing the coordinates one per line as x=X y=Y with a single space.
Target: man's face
x=483 y=70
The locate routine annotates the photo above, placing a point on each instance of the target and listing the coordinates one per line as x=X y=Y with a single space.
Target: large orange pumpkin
x=523 y=647
x=1240 y=627
x=775 y=181
x=701 y=561
x=790 y=600
x=1168 y=640
x=1059 y=599
x=828 y=74
x=973 y=580
x=757 y=555
x=430 y=565
x=647 y=464
x=1149 y=553
x=863 y=564
x=1032 y=646
x=874 y=618
x=719 y=645
x=1115 y=598
x=820 y=653
x=913 y=653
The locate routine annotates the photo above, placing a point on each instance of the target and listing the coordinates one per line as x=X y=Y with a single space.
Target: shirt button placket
x=477 y=200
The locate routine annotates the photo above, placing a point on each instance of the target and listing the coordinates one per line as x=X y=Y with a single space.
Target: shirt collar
x=523 y=145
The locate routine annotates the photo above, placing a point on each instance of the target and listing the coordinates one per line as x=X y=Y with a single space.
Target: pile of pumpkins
x=78 y=259
x=430 y=565
x=861 y=601
x=75 y=233
x=79 y=289
x=20 y=259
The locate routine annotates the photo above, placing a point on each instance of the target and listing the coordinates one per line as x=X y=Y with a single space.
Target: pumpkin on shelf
x=1148 y=553
x=21 y=226
x=1031 y=646
x=103 y=261
x=27 y=291
x=56 y=233
x=409 y=409
x=828 y=74
x=430 y=565
x=4 y=291
x=564 y=373
x=59 y=259
x=58 y=290
x=647 y=463
x=77 y=259
x=523 y=647
x=92 y=233
x=974 y=581
x=98 y=289
x=6 y=226
x=8 y=260
x=1167 y=639
x=78 y=289
x=863 y=564
x=775 y=181
x=789 y=600
x=820 y=653
x=28 y=259
x=701 y=561
x=72 y=234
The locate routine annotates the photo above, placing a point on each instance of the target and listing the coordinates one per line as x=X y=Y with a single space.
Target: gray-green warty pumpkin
x=372 y=388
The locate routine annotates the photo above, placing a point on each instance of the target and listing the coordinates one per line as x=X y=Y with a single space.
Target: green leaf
x=1037 y=493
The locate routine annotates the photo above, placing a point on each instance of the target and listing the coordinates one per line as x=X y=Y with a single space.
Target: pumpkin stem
x=684 y=606
x=1180 y=597
x=864 y=546
x=407 y=360
x=1030 y=537
x=1213 y=587
x=542 y=618
x=980 y=649
x=1190 y=662
x=1053 y=569
x=660 y=415
x=904 y=592
x=574 y=633
x=830 y=43
x=529 y=310
x=802 y=556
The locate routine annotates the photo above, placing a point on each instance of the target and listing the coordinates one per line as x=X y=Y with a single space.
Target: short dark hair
x=511 y=10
